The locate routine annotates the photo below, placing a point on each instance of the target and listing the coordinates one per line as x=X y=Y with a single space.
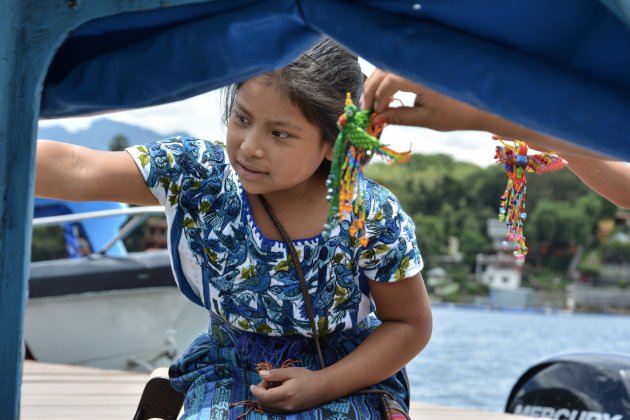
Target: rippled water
x=475 y=356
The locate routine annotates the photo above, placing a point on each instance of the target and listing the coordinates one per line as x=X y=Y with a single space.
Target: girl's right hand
x=300 y=389
x=430 y=109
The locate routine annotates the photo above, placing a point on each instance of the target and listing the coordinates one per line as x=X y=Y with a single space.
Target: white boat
x=118 y=311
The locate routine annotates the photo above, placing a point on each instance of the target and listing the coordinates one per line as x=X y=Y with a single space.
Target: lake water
x=475 y=356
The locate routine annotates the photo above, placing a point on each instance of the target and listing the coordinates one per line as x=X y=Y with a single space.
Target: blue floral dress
x=248 y=284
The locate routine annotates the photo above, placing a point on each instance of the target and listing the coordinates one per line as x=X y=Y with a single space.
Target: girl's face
x=271 y=144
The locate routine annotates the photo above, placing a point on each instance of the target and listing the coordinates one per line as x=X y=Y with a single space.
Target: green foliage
x=591 y=263
x=559 y=223
x=616 y=252
x=459 y=274
x=460 y=284
x=48 y=243
x=431 y=229
x=119 y=143
x=562 y=185
x=473 y=288
x=472 y=242
x=449 y=198
x=546 y=279
x=446 y=198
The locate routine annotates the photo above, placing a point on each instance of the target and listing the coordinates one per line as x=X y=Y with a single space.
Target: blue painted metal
x=621 y=8
x=156 y=56
x=30 y=33
x=560 y=67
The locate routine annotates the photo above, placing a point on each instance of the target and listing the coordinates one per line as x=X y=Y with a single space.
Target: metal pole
x=30 y=33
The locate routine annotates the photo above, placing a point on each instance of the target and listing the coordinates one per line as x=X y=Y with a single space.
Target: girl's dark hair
x=317 y=83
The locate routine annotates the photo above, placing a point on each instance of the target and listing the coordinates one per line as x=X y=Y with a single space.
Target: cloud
x=200 y=116
x=468 y=146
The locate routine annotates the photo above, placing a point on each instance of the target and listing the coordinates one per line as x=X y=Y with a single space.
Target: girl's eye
x=240 y=119
x=280 y=134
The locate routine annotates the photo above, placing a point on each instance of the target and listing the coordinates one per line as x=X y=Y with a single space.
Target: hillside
x=101 y=132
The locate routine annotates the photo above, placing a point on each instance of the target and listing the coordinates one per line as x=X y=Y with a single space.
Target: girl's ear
x=329 y=151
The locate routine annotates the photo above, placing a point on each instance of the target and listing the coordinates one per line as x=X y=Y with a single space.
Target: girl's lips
x=248 y=173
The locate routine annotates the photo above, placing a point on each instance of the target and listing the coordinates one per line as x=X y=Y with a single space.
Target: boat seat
x=159 y=400
x=99 y=273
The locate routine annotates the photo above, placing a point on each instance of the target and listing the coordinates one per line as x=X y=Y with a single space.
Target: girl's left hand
x=300 y=389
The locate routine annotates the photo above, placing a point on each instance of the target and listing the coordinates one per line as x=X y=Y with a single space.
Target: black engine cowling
x=585 y=386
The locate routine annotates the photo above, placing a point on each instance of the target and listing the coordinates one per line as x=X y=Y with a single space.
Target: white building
x=497 y=271
x=500 y=271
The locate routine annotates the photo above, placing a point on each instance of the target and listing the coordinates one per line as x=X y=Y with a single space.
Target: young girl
x=228 y=255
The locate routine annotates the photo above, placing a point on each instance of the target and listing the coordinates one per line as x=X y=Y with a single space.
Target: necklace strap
x=308 y=303
x=388 y=400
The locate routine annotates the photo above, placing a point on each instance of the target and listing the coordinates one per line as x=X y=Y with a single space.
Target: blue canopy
x=561 y=67
x=558 y=66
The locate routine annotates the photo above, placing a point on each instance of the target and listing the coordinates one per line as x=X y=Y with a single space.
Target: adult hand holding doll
x=431 y=109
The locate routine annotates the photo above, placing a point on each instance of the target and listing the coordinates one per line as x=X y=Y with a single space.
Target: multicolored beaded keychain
x=512 y=210
x=357 y=140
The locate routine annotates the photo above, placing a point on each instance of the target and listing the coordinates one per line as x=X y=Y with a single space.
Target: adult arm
x=404 y=309
x=607 y=177
x=69 y=172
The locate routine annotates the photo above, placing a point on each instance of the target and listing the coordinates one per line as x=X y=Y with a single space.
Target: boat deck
x=56 y=392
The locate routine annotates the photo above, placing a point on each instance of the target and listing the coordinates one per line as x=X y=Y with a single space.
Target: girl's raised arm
x=69 y=172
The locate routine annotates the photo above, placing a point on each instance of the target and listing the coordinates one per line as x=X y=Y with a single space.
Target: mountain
x=101 y=132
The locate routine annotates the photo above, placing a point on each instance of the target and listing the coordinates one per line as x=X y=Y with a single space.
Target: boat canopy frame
x=558 y=67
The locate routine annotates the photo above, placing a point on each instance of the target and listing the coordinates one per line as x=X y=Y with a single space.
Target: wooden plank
x=422 y=411
x=50 y=392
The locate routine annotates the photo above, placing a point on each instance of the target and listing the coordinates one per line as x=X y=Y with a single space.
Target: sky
x=200 y=117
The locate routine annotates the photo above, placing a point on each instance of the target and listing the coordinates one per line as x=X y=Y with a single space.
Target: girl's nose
x=251 y=145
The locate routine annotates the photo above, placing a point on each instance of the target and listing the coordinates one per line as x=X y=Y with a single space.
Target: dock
x=62 y=392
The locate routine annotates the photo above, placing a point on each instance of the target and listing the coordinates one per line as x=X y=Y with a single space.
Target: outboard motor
x=585 y=386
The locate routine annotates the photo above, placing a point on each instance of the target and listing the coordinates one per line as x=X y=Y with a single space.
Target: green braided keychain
x=357 y=140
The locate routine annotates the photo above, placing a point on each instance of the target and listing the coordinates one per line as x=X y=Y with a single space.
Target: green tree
x=471 y=243
x=558 y=224
x=616 y=251
x=562 y=185
x=431 y=236
x=48 y=243
x=118 y=143
x=450 y=198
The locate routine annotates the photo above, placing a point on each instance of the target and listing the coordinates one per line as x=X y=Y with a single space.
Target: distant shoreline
x=532 y=309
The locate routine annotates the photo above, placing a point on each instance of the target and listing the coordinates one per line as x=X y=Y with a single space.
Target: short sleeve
x=167 y=163
x=186 y=176
x=392 y=251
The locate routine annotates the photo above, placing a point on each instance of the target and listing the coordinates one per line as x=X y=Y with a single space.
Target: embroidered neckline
x=313 y=240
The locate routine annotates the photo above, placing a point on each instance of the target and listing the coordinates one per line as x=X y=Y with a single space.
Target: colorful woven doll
x=357 y=140
x=512 y=210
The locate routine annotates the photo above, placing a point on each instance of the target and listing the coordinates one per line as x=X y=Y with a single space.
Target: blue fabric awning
x=561 y=67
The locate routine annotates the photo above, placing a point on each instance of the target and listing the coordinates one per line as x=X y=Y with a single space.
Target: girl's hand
x=301 y=389
x=430 y=109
